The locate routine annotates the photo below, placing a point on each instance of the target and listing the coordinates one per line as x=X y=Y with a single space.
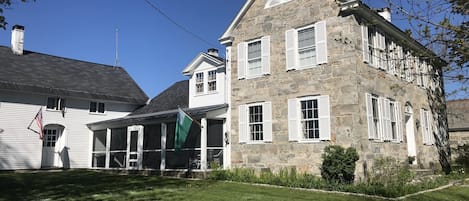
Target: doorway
x=52 y=144
x=409 y=125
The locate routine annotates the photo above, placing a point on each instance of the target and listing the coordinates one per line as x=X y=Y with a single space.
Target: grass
x=90 y=185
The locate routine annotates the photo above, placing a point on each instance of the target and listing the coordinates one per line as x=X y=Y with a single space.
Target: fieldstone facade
x=345 y=78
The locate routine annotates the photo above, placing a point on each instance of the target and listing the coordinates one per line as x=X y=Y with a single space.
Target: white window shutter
x=366 y=55
x=387 y=120
x=243 y=124
x=369 y=116
x=399 y=127
x=431 y=137
x=321 y=42
x=418 y=72
x=324 y=118
x=291 y=47
x=381 y=124
x=425 y=75
x=242 y=60
x=423 y=123
x=267 y=121
x=293 y=126
x=265 y=43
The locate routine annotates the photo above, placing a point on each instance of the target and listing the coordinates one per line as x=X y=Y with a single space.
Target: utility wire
x=179 y=25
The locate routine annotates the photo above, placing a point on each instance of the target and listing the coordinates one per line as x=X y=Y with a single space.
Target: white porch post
x=203 y=144
x=163 y=146
x=108 y=147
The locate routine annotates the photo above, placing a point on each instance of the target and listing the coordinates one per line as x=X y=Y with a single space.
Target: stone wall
x=345 y=78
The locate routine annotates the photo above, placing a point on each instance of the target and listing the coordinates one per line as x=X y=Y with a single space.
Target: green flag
x=183 y=124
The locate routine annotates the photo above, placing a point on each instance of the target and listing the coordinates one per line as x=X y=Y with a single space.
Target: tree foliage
x=4 y=4
x=338 y=165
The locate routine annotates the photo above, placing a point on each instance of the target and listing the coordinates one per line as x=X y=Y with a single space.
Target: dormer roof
x=202 y=57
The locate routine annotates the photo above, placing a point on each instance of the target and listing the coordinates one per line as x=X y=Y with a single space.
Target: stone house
x=458 y=122
x=305 y=74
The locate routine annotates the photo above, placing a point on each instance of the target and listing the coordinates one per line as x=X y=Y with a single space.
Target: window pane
x=119 y=139
x=93 y=107
x=254 y=50
x=306 y=37
x=51 y=103
x=99 y=140
x=101 y=108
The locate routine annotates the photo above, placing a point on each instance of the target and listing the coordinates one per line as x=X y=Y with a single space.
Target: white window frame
x=292 y=55
x=295 y=128
x=97 y=107
x=381 y=118
x=59 y=104
x=199 y=81
x=426 y=120
x=243 y=66
x=244 y=131
x=251 y=133
x=212 y=80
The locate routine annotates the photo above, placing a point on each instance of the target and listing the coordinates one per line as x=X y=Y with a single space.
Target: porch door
x=134 y=147
x=50 y=157
x=409 y=125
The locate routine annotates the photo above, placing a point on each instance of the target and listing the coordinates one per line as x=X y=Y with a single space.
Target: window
x=199 y=83
x=96 y=107
x=212 y=80
x=55 y=103
x=384 y=119
x=426 y=120
x=255 y=122
x=309 y=118
x=272 y=3
x=306 y=47
x=375 y=46
x=50 y=137
x=254 y=58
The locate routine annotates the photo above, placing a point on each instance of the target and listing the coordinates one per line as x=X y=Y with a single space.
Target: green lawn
x=89 y=185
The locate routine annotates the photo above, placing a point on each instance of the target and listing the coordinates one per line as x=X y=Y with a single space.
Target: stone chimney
x=17 y=39
x=385 y=13
x=212 y=52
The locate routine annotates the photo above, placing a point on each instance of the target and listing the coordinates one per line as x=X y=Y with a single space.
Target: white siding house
x=68 y=94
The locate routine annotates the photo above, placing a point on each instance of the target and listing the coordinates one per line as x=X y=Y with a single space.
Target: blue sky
x=152 y=49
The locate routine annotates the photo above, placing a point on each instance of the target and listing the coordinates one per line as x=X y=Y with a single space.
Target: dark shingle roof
x=174 y=96
x=41 y=73
x=458 y=115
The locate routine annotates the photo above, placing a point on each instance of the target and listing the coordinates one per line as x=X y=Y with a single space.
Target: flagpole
x=193 y=120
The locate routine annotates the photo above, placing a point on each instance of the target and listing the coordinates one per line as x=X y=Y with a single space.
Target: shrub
x=338 y=165
x=388 y=171
x=462 y=156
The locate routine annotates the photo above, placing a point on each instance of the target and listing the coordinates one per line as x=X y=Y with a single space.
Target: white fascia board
x=236 y=20
x=196 y=62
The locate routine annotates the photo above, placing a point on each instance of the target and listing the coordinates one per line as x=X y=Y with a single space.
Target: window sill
x=53 y=110
x=98 y=114
x=206 y=94
x=256 y=142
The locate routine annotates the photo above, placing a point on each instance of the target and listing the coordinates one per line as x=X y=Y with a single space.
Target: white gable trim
x=198 y=60
x=237 y=19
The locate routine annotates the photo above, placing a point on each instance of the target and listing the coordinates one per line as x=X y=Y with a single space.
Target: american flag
x=38 y=120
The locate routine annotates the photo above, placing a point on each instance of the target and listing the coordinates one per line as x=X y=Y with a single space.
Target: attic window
x=272 y=3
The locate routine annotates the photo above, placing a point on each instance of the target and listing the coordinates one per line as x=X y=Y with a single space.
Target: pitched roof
x=216 y=61
x=174 y=96
x=40 y=73
x=458 y=115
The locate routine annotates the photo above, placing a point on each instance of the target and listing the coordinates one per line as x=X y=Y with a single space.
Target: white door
x=50 y=157
x=409 y=125
x=134 y=147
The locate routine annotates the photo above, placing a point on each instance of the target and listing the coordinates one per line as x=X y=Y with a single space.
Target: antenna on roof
x=117 y=48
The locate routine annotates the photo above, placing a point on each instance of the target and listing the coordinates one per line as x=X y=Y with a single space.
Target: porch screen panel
x=151 y=146
x=189 y=156
x=118 y=149
x=214 y=143
x=99 y=149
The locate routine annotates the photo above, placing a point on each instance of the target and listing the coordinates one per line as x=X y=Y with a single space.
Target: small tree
x=338 y=165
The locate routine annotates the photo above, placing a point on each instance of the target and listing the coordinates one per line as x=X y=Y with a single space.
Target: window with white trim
x=426 y=120
x=255 y=122
x=309 y=118
x=384 y=119
x=306 y=47
x=212 y=80
x=199 y=83
x=55 y=103
x=97 y=107
x=272 y=3
x=254 y=58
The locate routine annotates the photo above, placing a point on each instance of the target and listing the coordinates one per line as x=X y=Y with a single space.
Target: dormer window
x=272 y=3
x=212 y=80
x=55 y=103
x=199 y=83
x=96 y=107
